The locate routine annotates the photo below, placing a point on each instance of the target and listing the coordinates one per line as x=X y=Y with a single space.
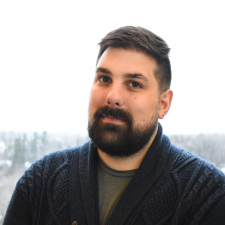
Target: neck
x=126 y=163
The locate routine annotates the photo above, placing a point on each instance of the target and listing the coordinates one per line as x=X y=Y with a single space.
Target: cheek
x=137 y=105
x=97 y=97
x=96 y=100
x=137 y=108
x=143 y=109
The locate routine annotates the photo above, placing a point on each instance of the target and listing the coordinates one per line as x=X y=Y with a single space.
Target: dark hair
x=143 y=40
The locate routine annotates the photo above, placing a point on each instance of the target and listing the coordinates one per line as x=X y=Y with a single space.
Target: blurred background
x=48 y=51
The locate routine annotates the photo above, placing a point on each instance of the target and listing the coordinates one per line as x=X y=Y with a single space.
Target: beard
x=119 y=141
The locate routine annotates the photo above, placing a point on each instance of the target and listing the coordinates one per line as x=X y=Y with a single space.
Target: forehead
x=127 y=61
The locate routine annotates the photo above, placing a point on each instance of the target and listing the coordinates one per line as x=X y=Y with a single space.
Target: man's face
x=124 y=102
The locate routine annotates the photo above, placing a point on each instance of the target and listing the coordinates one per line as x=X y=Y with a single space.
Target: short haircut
x=142 y=40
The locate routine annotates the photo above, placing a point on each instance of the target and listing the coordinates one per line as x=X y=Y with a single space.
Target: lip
x=110 y=119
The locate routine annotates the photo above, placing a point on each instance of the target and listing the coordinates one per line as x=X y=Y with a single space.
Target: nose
x=115 y=97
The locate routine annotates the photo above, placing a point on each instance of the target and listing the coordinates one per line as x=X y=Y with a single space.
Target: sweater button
x=74 y=223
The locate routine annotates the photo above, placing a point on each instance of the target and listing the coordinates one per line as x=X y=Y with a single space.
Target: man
x=129 y=172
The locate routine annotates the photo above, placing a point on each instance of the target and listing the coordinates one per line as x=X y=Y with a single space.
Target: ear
x=165 y=103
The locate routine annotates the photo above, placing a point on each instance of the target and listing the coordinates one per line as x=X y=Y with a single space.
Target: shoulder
x=190 y=165
x=49 y=164
x=198 y=180
x=187 y=160
x=201 y=187
x=56 y=159
x=52 y=169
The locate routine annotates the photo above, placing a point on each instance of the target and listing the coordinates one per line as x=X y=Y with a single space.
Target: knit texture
x=171 y=186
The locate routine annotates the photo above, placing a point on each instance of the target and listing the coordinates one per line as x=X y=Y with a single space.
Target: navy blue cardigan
x=171 y=186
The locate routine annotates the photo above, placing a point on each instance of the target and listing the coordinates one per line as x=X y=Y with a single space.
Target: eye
x=104 y=79
x=135 y=85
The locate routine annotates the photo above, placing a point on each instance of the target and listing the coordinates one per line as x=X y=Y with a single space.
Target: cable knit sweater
x=171 y=186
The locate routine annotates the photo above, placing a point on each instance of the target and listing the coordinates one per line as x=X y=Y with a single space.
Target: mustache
x=113 y=112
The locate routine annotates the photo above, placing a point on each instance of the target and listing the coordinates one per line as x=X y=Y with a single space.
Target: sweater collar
x=152 y=170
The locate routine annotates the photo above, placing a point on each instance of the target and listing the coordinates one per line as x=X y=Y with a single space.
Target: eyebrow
x=103 y=70
x=136 y=76
x=127 y=75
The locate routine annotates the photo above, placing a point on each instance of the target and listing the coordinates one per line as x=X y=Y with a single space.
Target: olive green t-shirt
x=111 y=184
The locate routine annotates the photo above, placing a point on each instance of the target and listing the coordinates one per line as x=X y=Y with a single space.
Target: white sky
x=48 y=51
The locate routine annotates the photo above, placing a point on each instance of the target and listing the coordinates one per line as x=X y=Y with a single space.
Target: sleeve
x=18 y=211
x=211 y=208
x=216 y=215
